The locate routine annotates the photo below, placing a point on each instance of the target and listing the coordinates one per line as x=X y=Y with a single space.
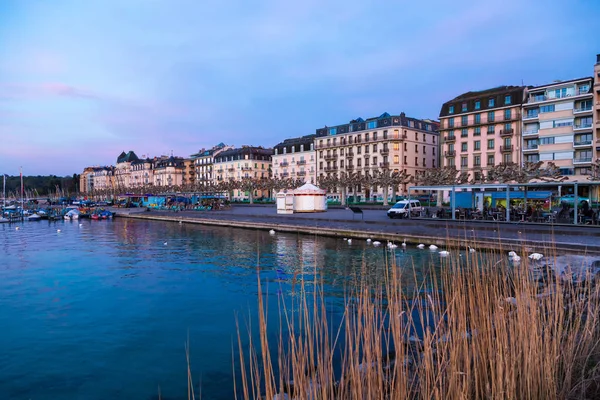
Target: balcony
x=349 y=154
x=231 y=169
x=450 y=138
x=530 y=116
x=330 y=157
x=506 y=132
x=506 y=148
x=385 y=151
x=582 y=160
x=450 y=153
x=585 y=125
x=283 y=164
x=246 y=168
x=582 y=143
x=301 y=173
x=530 y=147
x=367 y=155
x=582 y=110
x=384 y=165
x=533 y=132
x=301 y=162
x=537 y=98
x=349 y=167
x=330 y=169
x=285 y=174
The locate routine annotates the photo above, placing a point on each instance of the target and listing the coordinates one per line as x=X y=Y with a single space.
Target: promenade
x=376 y=225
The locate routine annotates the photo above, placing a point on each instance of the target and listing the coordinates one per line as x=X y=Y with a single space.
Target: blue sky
x=81 y=81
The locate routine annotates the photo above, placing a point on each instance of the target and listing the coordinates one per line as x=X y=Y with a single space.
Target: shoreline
x=576 y=240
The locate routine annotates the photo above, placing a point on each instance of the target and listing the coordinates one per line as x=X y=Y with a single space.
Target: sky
x=82 y=81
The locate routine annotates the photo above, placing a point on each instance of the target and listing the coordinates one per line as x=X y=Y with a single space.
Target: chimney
x=597 y=58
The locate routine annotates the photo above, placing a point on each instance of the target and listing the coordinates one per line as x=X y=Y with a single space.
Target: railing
x=451 y=138
x=330 y=156
x=301 y=173
x=582 y=160
x=301 y=162
x=583 y=126
x=532 y=132
x=582 y=143
x=450 y=153
x=531 y=116
x=582 y=109
x=349 y=167
x=349 y=154
x=246 y=168
x=531 y=147
x=506 y=132
x=231 y=169
x=283 y=164
x=506 y=148
x=330 y=169
x=384 y=165
x=385 y=151
x=285 y=174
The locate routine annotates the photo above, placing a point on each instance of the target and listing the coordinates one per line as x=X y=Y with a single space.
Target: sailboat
x=2 y=219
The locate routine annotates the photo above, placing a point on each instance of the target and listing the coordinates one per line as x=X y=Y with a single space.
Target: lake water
x=103 y=309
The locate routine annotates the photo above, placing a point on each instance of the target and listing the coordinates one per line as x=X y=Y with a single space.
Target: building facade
x=103 y=178
x=482 y=129
x=203 y=162
x=123 y=169
x=597 y=107
x=142 y=173
x=244 y=162
x=296 y=159
x=558 y=126
x=387 y=142
x=169 y=172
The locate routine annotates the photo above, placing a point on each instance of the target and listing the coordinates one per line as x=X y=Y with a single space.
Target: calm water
x=102 y=310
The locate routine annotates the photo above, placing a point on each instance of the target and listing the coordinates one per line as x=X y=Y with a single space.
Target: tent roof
x=309 y=188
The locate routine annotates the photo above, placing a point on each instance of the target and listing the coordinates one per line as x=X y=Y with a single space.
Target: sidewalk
x=376 y=225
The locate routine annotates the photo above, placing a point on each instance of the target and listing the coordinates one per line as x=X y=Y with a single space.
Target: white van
x=402 y=208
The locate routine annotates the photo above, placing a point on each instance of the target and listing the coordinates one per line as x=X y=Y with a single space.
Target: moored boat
x=34 y=217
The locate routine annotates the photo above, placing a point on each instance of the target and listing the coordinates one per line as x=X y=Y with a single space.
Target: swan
x=515 y=259
x=471 y=250
x=444 y=253
x=180 y=222
x=512 y=254
x=165 y=243
x=368 y=240
x=421 y=246
x=404 y=243
x=376 y=243
x=536 y=256
x=433 y=247
x=271 y=232
x=17 y=228
x=58 y=231
x=349 y=241
x=392 y=246
x=80 y=225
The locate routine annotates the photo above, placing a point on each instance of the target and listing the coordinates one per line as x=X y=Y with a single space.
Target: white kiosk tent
x=310 y=198
x=507 y=188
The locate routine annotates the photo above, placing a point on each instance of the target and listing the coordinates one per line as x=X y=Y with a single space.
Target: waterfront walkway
x=376 y=225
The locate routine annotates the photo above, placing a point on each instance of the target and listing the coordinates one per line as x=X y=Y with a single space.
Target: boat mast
x=22 y=198
x=4 y=190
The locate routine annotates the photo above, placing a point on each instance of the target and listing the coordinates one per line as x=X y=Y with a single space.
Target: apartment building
x=169 y=171
x=387 y=142
x=296 y=158
x=103 y=178
x=558 y=126
x=142 y=173
x=244 y=162
x=203 y=161
x=482 y=129
x=597 y=107
x=123 y=169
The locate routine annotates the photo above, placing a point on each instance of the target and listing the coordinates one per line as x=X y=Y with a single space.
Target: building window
x=417 y=148
x=491 y=102
x=396 y=159
x=385 y=134
x=507 y=127
x=548 y=108
x=405 y=147
x=507 y=158
x=464 y=132
x=477 y=118
x=464 y=162
x=507 y=142
x=424 y=150
x=416 y=160
x=507 y=114
x=477 y=131
x=405 y=162
x=371 y=124
x=464 y=120
x=491 y=129
x=490 y=144
x=464 y=147
x=464 y=107
x=547 y=140
x=507 y=100
x=478 y=105
x=477 y=145
x=491 y=116
x=490 y=160
x=332 y=131
x=451 y=123
x=450 y=109
x=375 y=135
x=477 y=161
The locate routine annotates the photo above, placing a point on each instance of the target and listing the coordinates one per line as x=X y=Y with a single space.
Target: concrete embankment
x=374 y=224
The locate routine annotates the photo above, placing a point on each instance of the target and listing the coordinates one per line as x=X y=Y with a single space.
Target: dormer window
x=464 y=107
x=478 y=105
x=491 y=102
x=450 y=109
x=507 y=100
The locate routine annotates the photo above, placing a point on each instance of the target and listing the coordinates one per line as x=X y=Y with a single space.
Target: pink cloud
x=14 y=91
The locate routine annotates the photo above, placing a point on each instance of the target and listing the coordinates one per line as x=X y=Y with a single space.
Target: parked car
x=570 y=199
x=402 y=208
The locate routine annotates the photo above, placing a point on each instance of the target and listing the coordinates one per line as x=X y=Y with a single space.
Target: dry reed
x=474 y=328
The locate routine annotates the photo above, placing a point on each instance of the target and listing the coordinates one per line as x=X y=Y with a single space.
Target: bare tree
x=512 y=172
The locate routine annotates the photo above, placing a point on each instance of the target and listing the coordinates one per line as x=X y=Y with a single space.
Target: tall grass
x=475 y=328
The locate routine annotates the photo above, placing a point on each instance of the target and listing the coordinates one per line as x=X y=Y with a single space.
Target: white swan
x=376 y=243
x=58 y=231
x=368 y=240
x=271 y=232
x=444 y=253
x=404 y=243
x=421 y=246
x=349 y=241
x=536 y=256
x=17 y=228
x=392 y=246
x=512 y=254
x=165 y=243
x=433 y=247
x=471 y=250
